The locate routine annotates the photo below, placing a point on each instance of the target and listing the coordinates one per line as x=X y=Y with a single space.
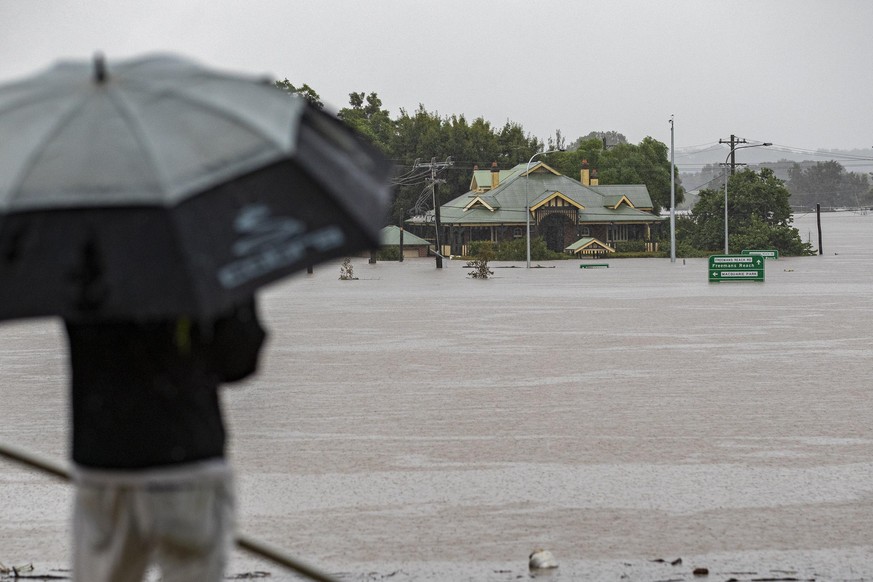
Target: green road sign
x=766 y=253
x=736 y=268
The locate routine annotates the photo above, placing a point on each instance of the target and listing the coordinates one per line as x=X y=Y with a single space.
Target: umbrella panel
x=195 y=258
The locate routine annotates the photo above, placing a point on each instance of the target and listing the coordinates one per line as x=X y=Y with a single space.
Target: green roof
x=518 y=191
x=390 y=237
x=638 y=194
x=587 y=241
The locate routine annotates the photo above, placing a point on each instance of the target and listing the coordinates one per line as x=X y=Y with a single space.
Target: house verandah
x=563 y=211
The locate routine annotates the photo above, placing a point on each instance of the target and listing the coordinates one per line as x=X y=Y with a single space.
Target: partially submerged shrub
x=347 y=272
x=480 y=269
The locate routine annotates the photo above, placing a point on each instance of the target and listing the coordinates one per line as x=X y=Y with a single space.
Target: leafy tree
x=569 y=163
x=558 y=143
x=366 y=115
x=305 y=91
x=514 y=146
x=759 y=216
x=607 y=139
x=828 y=183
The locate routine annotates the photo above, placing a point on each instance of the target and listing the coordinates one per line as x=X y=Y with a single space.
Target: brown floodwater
x=417 y=424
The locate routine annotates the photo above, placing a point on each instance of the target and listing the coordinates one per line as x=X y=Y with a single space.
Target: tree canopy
x=304 y=91
x=759 y=216
x=829 y=184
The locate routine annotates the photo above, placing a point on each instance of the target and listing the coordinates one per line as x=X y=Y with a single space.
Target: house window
x=516 y=232
x=618 y=232
x=584 y=231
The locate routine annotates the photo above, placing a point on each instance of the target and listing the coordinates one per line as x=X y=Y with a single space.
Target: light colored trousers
x=180 y=521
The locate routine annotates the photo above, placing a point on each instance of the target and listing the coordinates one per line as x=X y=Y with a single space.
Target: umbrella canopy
x=155 y=187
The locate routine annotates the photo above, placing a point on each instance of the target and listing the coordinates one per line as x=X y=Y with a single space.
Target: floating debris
x=542 y=559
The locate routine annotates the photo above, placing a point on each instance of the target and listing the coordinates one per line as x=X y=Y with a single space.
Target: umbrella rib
x=141 y=136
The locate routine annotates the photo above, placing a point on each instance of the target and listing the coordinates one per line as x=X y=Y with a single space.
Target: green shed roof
x=588 y=242
x=390 y=237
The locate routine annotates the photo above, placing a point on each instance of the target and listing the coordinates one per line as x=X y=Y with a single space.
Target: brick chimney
x=583 y=175
x=594 y=180
x=495 y=175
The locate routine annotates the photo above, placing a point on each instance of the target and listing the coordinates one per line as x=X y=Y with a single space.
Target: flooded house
x=577 y=216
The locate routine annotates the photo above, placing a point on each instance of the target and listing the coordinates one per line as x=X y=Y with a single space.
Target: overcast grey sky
x=798 y=73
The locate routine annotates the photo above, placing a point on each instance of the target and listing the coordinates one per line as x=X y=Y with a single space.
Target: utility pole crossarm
x=734 y=141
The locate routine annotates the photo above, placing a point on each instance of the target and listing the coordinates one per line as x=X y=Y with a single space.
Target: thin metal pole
x=672 y=196
x=243 y=541
x=527 y=205
x=726 y=178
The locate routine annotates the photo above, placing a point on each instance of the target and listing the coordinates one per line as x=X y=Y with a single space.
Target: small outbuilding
x=413 y=246
x=589 y=246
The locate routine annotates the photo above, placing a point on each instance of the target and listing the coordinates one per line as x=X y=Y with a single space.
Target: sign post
x=766 y=253
x=736 y=268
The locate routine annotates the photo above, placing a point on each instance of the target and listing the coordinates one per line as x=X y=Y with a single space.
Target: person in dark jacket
x=153 y=486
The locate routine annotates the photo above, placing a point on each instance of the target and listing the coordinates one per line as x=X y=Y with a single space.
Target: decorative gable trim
x=613 y=202
x=476 y=202
x=589 y=245
x=540 y=166
x=556 y=199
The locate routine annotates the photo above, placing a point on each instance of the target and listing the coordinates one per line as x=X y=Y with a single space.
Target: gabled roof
x=538 y=167
x=519 y=190
x=546 y=197
x=489 y=202
x=637 y=194
x=615 y=200
x=589 y=244
x=390 y=237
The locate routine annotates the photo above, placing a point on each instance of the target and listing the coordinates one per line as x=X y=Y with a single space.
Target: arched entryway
x=558 y=231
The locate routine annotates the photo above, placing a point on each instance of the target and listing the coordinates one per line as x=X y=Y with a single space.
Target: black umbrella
x=155 y=187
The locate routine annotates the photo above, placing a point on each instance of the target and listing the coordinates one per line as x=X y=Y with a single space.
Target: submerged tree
x=347 y=271
x=483 y=253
